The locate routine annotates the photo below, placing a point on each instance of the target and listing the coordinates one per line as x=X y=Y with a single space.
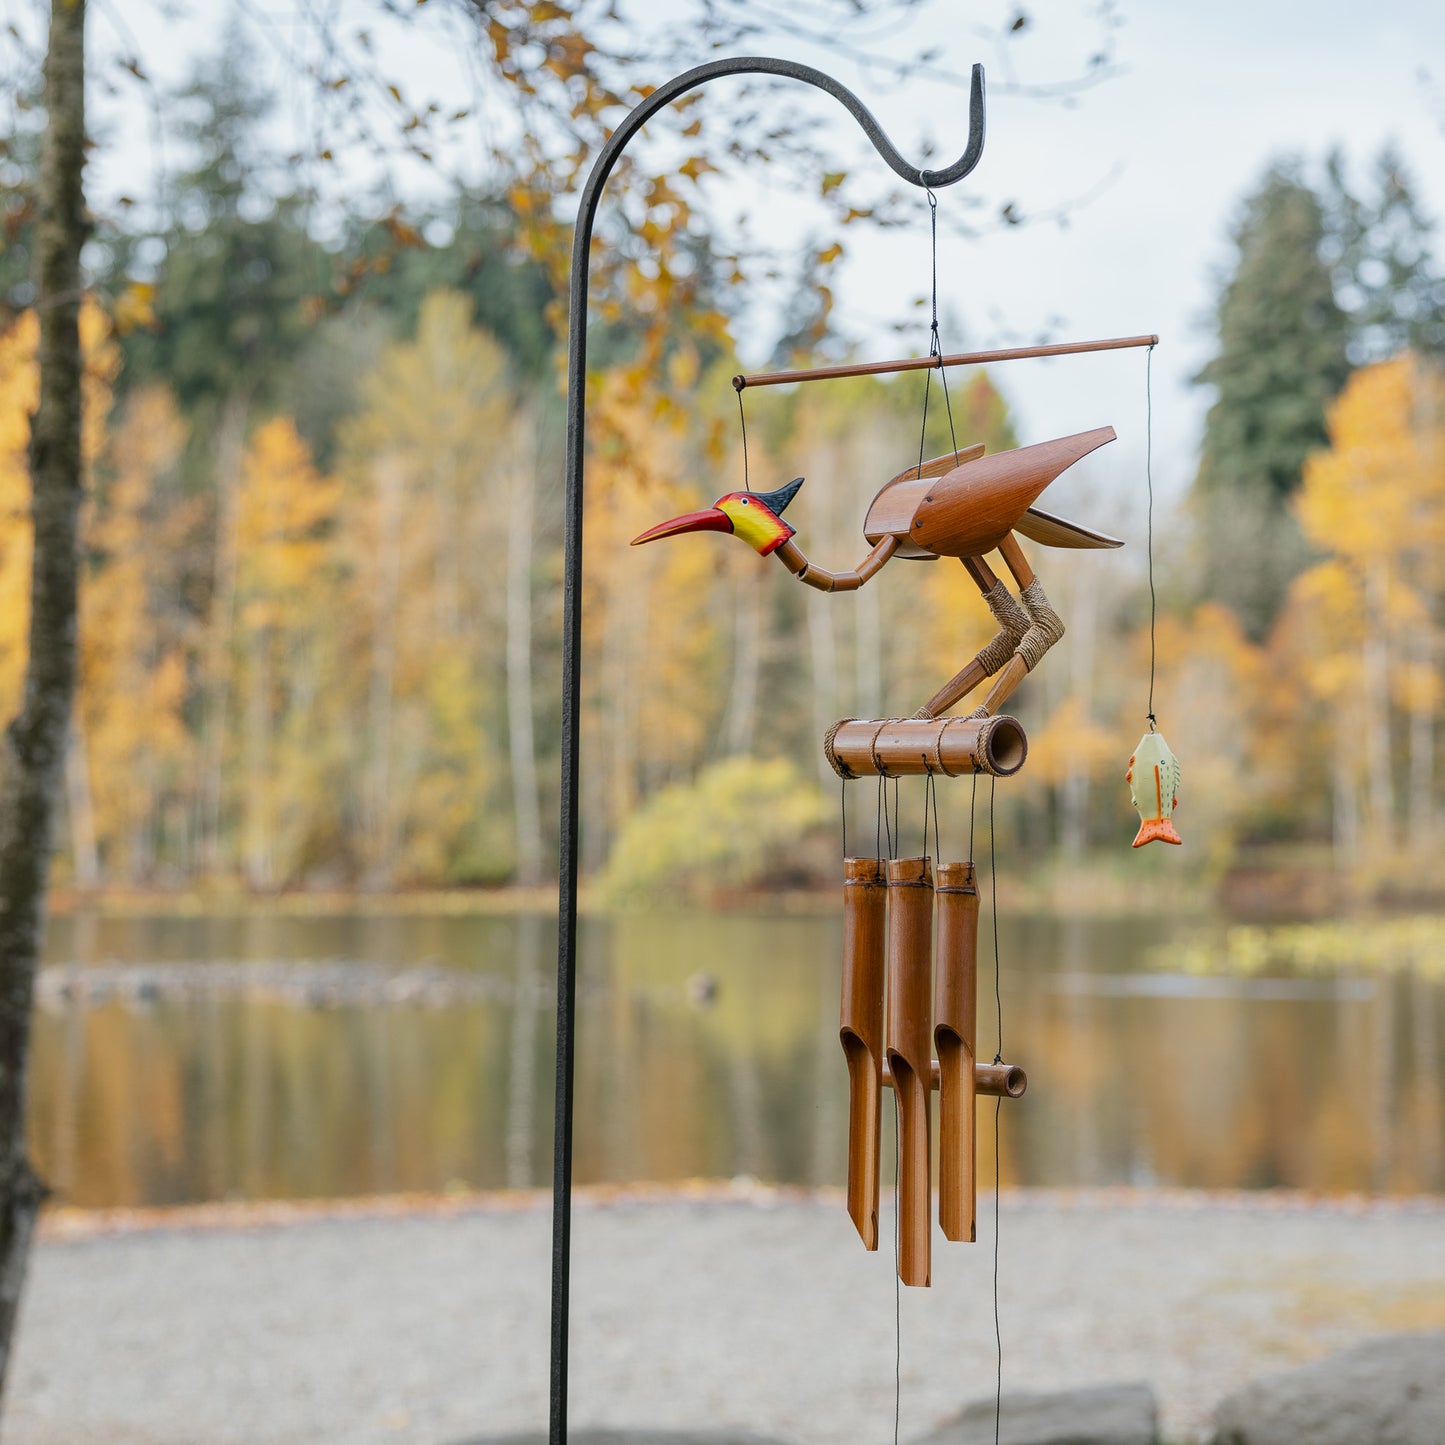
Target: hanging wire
x=997 y=1114
x=935 y=346
x=997 y=1329
x=743 y=422
x=843 y=801
x=1149 y=481
x=930 y=799
x=993 y=905
x=897 y=1264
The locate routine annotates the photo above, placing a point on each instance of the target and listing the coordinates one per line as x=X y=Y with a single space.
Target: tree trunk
x=33 y=752
x=1422 y=738
x=1083 y=635
x=1375 y=695
x=740 y=720
x=526 y=809
x=230 y=437
x=80 y=810
x=378 y=810
x=824 y=655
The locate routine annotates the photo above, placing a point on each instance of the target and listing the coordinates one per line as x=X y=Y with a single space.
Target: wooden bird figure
x=962 y=505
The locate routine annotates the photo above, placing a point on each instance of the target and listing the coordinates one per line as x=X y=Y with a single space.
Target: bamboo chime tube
x=865 y=902
x=910 y=746
x=910 y=1055
x=955 y=1020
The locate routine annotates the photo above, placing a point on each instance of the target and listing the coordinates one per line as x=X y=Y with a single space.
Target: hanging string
x=930 y=798
x=993 y=905
x=935 y=346
x=897 y=841
x=997 y=1116
x=897 y=1278
x=843 y=798
x=1149 y=481
x=743 y=422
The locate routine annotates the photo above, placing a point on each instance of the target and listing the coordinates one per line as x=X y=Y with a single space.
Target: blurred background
x=304 y=923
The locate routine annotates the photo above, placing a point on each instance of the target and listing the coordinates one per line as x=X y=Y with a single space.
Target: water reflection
x=1135 y=1077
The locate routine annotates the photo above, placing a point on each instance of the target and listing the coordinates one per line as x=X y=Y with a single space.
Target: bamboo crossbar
x=998 y=1081
x=926 y=363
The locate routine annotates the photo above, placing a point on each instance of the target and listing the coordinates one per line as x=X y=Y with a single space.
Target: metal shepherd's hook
x=572 y=597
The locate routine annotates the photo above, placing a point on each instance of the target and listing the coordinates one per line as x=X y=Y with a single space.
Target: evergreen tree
x=1281 y=358
x=238 y=261
x=1384 y=270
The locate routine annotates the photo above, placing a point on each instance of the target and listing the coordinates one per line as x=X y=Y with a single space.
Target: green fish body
x=1153 y=779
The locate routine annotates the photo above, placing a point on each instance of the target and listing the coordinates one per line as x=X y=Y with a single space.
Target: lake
x=341 y=1056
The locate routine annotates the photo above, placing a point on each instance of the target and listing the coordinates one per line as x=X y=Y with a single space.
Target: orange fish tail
x=1156 y=830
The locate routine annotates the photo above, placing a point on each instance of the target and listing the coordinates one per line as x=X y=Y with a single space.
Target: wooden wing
x=1054 y=531
x=892 y=509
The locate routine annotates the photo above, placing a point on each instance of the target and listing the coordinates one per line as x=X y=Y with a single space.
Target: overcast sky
x=1204 y=97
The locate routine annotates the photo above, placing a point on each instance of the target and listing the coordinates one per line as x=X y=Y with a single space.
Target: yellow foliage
x=740 y=824
x=19 y=396
x=136 y=643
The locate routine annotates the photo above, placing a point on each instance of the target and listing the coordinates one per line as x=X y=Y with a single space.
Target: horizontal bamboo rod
x=926 y=363
x=909 y=746
x=1007 y=1081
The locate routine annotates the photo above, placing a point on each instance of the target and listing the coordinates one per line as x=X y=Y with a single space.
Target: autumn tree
x=286 y=572
x=1373 y=503
x=1281 y=357
x=137 y=648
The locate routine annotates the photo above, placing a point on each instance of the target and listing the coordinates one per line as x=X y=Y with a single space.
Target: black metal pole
x=572 y=602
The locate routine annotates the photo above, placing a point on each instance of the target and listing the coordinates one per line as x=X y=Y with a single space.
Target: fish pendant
x=1153 y=779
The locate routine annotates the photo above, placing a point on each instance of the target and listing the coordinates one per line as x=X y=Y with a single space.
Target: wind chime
x=909 y=1008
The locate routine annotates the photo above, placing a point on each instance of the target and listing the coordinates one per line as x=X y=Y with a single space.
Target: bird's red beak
x=711 y=520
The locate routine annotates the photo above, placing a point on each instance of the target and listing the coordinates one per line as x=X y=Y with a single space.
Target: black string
x=997 y=1330
x=1149 y=480
x=879 y=824
x=897 y=841
x=930 y=797
x=843 y=795
x=997 y=1112
x=743 y=422
x=935 y=346
x=897 y=1265
x=993 y=904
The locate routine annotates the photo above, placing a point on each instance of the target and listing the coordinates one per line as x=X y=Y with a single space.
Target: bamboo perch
x=910 y=996
x=955 y=1014
x=997 y=1081
x=865 y=897
x=928 y=363
x=948 y=747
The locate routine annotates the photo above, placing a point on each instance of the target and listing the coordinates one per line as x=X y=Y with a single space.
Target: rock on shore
x=1388 y=1391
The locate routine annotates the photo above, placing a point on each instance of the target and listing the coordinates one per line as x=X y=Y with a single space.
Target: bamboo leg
x=1044 y=629
x=865 y=901
x=1013 y=623
x=955 y=1014
x=910 y=1056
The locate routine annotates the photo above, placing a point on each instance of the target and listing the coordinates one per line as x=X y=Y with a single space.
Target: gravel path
x=749 y=1309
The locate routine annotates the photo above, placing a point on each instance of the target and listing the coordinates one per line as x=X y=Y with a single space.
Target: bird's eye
x=745 y=501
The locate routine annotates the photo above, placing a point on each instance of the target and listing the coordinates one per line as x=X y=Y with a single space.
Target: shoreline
x=64 y=1223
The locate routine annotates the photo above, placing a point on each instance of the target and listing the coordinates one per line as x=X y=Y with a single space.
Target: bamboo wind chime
x=909 y=1007
x=888 y=949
